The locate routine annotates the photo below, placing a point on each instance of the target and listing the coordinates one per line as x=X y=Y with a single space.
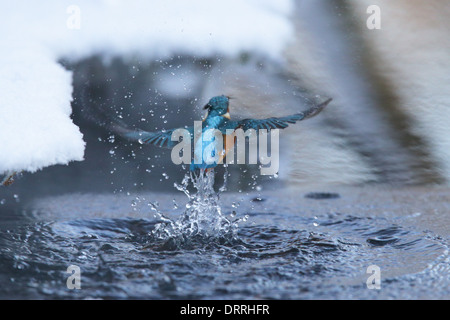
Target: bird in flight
x=218 y=118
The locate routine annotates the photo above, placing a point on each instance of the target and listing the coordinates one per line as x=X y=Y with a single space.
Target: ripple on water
x=281 y=252
x=122 y=258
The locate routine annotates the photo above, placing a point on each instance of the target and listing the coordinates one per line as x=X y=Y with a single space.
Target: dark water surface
x=286 y=245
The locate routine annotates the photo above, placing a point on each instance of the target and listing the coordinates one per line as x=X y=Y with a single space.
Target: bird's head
x=218 y=106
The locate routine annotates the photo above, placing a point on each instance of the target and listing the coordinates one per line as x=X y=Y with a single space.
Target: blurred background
x=388 y=122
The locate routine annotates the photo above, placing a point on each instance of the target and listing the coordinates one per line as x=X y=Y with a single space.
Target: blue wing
x=274 y=123
x=161 y=138
x=164 y=138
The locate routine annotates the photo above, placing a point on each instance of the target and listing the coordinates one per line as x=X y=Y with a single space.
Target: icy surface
x=35 y=126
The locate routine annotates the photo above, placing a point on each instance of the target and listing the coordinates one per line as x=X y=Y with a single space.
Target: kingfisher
x=218 y=118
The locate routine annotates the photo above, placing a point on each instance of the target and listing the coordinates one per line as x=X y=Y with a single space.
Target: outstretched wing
x=101 y=114
x=161 y=138
x=275 y=123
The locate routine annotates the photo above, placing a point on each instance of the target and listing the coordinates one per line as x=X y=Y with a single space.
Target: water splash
x=202 y=218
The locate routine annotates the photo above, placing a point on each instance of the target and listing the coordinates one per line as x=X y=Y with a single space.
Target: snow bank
x=35 y=91
x=35 y=125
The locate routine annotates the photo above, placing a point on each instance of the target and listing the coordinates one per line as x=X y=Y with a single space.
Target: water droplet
x=154 y=205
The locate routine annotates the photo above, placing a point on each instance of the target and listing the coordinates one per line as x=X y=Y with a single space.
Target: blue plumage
x=218 y=117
